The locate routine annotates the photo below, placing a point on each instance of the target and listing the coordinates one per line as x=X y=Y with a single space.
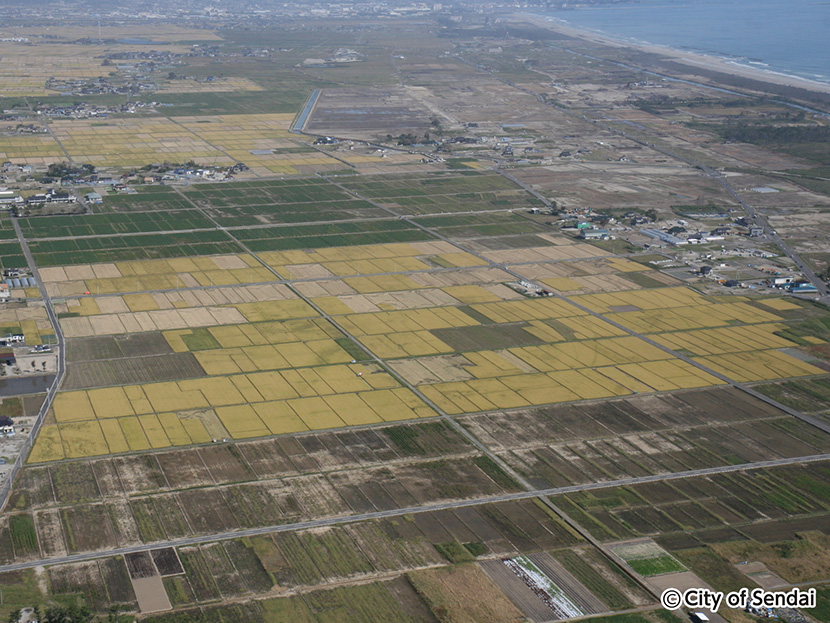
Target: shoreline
x=699 y=60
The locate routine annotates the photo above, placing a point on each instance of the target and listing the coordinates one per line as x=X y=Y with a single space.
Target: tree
x=67 y=614
x=14 y=616
x=113 y=616
x=651 y=213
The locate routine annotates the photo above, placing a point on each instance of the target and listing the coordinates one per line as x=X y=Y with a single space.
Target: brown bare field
x=448 y=590
x=637 y=436
x=223 y=487
x=808 y=560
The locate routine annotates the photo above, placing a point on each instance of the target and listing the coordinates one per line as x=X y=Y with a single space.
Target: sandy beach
x=692 y=59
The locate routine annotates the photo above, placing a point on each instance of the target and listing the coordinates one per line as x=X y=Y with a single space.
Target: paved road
x=398 y=512
x=579 y=529
x=820 y=285
x=721 y=179
x=530 y=492
x=250 y=227
x=5 y=490
x=771 y=234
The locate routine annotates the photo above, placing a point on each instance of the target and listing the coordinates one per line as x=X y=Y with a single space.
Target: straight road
x=6 y=488
x=808 y=272
x=398 y=512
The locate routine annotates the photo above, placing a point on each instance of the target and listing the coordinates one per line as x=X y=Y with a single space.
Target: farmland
x=379 y=373
x=279 y=376
x=766 y=505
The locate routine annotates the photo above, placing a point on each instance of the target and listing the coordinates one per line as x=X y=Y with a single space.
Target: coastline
x=693 y=59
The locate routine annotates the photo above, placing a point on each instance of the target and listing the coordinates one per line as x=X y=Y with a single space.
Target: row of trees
x=73 y=613
x=778 y=134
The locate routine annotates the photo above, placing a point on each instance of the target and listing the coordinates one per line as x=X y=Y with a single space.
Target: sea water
x=786 y=36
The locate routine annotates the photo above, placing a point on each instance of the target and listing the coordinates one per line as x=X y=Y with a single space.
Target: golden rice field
x=246 y=137
x=35 y=149
x=217 y=140
x=160 y=415
x=27 y=75
x=133 y=142
x=274 y=365
x=217 y=85
x=169 y=274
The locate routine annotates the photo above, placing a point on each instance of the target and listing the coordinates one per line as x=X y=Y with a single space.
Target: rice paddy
x=349 y=329
x=273 y=365
x=261 y=141
x=366 y=321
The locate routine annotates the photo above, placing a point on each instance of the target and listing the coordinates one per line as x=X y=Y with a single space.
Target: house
x=593 y=234
x=664 y=237
x=5 y=292
x=6 y=425
x=94 y=197
x=37 y=199
x=803 y=288
x=9 y=340
x=705 y=270
x=755 y=231
x=9 y=198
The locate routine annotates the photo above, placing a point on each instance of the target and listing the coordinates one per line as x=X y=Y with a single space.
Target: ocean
x=786 y=36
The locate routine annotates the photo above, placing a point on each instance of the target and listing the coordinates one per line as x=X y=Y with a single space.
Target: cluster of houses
x=159 y=176
x=98 y=86
x=9 y=167
x=84 y=110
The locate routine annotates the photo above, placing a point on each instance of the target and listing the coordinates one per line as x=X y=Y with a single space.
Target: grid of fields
x=235 y=355
x=113 y=224
x=732 y=503
x=110 y=248
x=276 y=375
x=252 y=483
x=404 y=382
x=639 y=436
x=263 y=142
x=133 y=142
x=431 y=194
x=26 y=75
x=40 y=149
x=260 y=141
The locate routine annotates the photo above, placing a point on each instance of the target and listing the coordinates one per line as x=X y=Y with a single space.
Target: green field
x=139 y=247
x=113 y=224
x=330 y=235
